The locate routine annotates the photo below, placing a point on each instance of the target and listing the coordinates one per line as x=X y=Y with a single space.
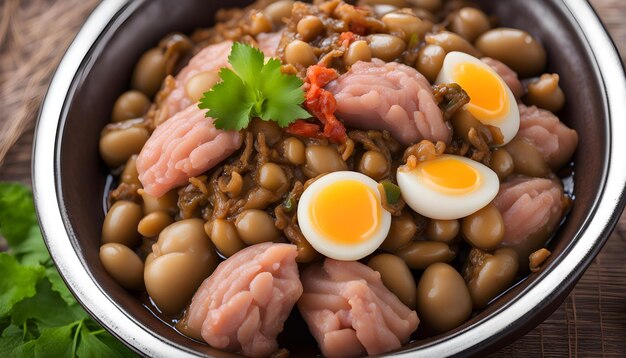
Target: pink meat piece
x=186 y=145
x=552 y=138
x=389 y=96
x=508 y=75
x=243 y=305
x=349 y=311
x=268 y=42
x=532 y=209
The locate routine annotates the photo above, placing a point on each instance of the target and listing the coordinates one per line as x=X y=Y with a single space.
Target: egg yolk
x=346 y=212
x=449 y=174
x=488 y=96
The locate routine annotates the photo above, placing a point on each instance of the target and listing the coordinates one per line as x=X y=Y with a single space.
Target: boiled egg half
x=342 y=217
x=491 y=100
x=447 y=187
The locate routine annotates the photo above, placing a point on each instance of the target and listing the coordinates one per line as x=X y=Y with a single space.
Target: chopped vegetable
x=253 y=88
x=450 y=97
x=392 y=192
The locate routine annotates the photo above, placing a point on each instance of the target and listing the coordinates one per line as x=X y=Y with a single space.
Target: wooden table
x=592 y=320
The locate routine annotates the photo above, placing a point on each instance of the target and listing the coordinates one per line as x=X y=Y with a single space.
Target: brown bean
x=515 y=48
x=386 y=47
x=272 y=177
x=357 y=51
x=430 y=60
x=167 y=202
x=117 y=146
x=430 y=5
x=149 y=72
x=278 y=10
x=270 y=130
x=309 y=27
x=463 y=121
x=120 y=224
x=201 y=83
x=527 y=159
x=223 y=234
x=123 y=265
x=470 y=23
x=489 y=275
x=130 y=175
x=294 y=151
x=401 y=232
x=484 y=229
x=152 y=224
x=396 y=3
x=260 y=23
x=450 y=42
x=182 y=258
x=443 y=300
x=255 y=226
x=421 y=254
x=381 y=10
x=404 y=24
x=442 y=230
x=300 y=53
x=130 y=105
x=322 y=159
x=537 y=258
x=545 y=93
x=374 y=165
x=396 y=276
x=502 y=163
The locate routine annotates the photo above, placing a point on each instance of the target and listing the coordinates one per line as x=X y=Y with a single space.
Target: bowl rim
x=565 y=271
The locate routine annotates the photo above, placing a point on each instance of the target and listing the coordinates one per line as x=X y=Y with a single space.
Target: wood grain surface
x=590 y=323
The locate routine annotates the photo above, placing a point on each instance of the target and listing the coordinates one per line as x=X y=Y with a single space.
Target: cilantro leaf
x=18 y=282
x=17 y=212
x=251 y=89
x=59 y=286
x=96 y=345
x=56 y=342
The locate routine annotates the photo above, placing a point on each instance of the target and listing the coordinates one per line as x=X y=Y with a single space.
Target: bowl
x=69 y=178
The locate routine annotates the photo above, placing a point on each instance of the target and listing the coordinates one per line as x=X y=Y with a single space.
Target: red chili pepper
x=304 y=128
x=322 y=104
x=346 y=38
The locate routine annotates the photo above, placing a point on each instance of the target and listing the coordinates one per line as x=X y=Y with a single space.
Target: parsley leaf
x=18 y=282
x=251 y=89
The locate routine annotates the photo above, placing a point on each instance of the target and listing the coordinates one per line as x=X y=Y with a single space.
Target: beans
x=515 y=48
x=321 y=159
x=149 y=72
x=255 y=226
x=130 y=175
x=386 y=47
x=224 y=236
x=396 y=3
x=272 y=177
x=182 y=258
x=309 y=27
x=527 y=159
x=502 y=163
x=470 y=23
x=117 y=146
x=537 y=258
x=404 y=24
x=166 y=203
x=120 y=224
x=430 y=5
x=463 y=121
x=130 y=105
x=294 y=151
x=443 y=300
x=201 y=83
x=421 y=254
x=374 y=165
x=152 y=224
x=442 y=230
x=450 y=42
x=402 y=230
x=489 y=275
x=484 y=229
x=396 y=277
x=278 y=10
x=300 y=53
x=545 y=93
x=259 y=23
x=270 y=130
x=381 y=10
x=430 y=60
x=357 y=51
x=123 y=265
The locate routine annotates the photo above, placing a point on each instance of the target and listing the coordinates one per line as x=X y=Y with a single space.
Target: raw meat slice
x=389 y=96
x=243 y=305
x=508 y=75
x=349 y=311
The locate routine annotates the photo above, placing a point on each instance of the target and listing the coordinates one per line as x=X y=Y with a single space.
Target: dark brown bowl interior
x=105 y=74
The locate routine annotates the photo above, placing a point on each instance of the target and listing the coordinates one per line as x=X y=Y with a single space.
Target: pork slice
x=553 y=139
x=349 y=311
x=186 y=145
x=389 y=96
x=268 y=42
x=508 y=75
x=532 y=209
x=243 y=305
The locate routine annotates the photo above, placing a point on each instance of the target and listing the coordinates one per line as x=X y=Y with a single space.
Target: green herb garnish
x=253 y=88
x=392 y=192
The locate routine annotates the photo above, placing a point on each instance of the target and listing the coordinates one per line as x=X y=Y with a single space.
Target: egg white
x=427 y=200
x=325 y=245
x=508 y=123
